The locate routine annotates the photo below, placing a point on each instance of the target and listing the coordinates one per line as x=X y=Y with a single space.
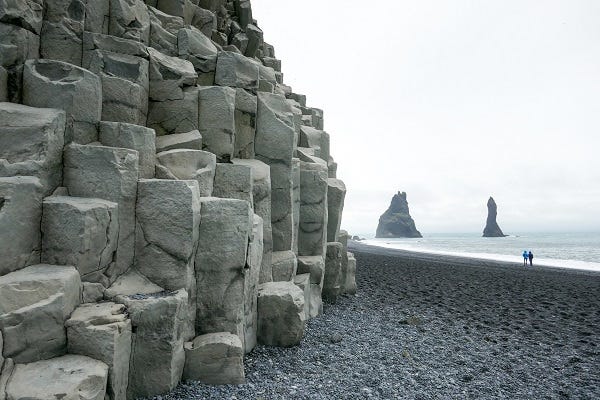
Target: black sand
x=436 y=327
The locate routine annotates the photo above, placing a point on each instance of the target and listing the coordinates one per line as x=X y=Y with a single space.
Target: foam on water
x=564 y=250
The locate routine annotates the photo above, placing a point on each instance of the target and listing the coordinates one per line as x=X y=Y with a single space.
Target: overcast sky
x=453 y=101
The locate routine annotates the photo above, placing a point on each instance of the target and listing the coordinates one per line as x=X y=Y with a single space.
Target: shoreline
x=438 y=258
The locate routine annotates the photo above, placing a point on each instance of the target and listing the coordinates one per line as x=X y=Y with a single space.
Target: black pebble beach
x=424 y=326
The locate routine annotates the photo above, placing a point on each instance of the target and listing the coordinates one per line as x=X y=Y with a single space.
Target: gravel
x=432 y=327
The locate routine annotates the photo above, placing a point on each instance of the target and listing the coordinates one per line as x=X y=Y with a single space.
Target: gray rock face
x=175 y=116
x=20 y=216
x=261 y=196
x=336 y=194
x=245 y=124
x=107 y=173
x=225 y=229
x=125 y=81
x=215 y=359
x=168 y=218
x=21 y=45
x=251 y=281
x=491 y=227
x=217 y=120
x=134 y=137
x=312 y=235
x=62 y=30
x=129 y=19
x=190 y=140
x=281 y=318
x=315 y=139
x=186 y=164
x=236 y=71
x=35 y=302
x=49 y=83
x=27 y=14
x=157 y=356
x=274 y=146
x=103 y=332
x=67 y=377
x=284 y=266
x=303 y=282
x=332 y=282
x=396 y=221
x=31 y=142
x=81 y=232
x=197 y=48
x=234 y=181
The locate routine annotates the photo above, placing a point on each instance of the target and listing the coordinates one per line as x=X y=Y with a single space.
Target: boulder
x=236 y=71
x=167 y=222
x=172 y=23
x=204 y=20
x=31 y=143
x=97 y=16
x=332 y=167
x=163 y=31
x=255 y=40
x=215 y=359
x=281 y=318
x=3 y=84
x=349 y=283
x=284 y=264
x=110 y=44
x=216 y=120
x=157 y=356
x=336 y=193
x=129 y=19
x=125 y=84
x=233 y=181
x=169 y=76
x=245 y=123
x=261 y=196
x=107 y=173
x=186 y=164
x=62 y=30
x=92 y=292
x=225 y=229
x=103 y=331
x=81 y=232
x=251 y=282
x=396 y=221
x=131 y=283
x=68 y=377
x=198 y=49
x=35 y=302
x=272 y=62
x=332 y=281
x=49 y=83
x=189 y=140
x=175 y=116
x=243 y=8
x=317 y=118
x=312 y=234
x=5 y=374
x=26 y=14
x=303 y=282
x=274 y=145
x=315 y=266
x=492 y=229
x=20 y=217
x=134 y=137
x=316 y=139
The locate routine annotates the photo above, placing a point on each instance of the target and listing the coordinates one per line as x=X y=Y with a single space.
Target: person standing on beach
x=530 y=256
x=525 y=256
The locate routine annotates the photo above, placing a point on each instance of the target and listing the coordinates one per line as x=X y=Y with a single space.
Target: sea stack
x=491 y=227
x=396 y=222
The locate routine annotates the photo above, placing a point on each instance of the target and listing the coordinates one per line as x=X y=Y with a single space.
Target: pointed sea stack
x=491 y=227
x=396 y=222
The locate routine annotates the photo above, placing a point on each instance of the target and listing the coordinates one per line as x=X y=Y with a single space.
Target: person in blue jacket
x=525 y=257
x=530 y=256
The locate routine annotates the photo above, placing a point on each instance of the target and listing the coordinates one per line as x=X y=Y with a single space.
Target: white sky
x=453 y=101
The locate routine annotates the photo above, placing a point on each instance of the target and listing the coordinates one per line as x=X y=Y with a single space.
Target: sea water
x=566 y=250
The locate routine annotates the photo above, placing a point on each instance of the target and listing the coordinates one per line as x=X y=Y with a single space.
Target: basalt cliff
x=166 y=201
x=396 y=221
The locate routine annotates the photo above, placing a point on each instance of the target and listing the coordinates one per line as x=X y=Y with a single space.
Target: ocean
x=566 y=250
